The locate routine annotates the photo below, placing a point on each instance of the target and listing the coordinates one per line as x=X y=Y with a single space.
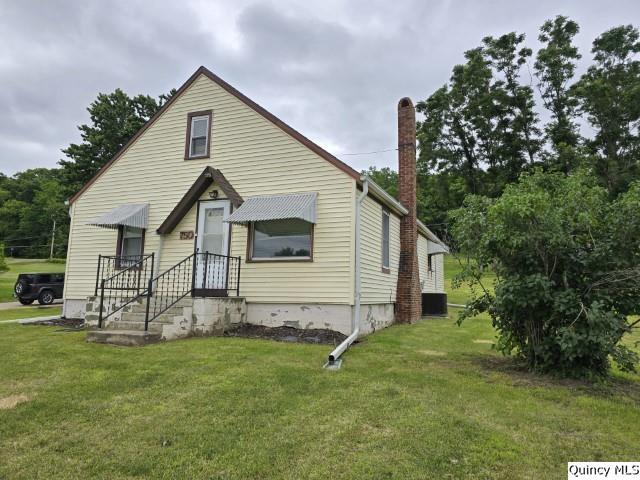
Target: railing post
x=101 y=303
x=204 y=272
x=98 y=274
x=193 y=273
x=146 y=314
x=238 y=277
x=153 y=258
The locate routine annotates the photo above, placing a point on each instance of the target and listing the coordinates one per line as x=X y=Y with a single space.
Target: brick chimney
x=408 y=291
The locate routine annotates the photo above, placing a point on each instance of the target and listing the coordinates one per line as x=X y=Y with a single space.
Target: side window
x=130 y=245
x=385 y=240
x=44 y=278
x=198 y=128
x=274 y=240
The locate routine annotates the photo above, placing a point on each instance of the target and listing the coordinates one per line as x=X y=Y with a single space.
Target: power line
x=370 y=153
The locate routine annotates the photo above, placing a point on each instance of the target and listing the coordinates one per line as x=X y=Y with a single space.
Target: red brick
x=408 y=292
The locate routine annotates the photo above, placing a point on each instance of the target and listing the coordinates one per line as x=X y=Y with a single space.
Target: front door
x=212 y=246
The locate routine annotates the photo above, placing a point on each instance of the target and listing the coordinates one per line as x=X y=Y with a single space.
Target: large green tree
x=609 y=95
x=483 y=119
x=115 y=118
x=30 y=202
x=554 y=68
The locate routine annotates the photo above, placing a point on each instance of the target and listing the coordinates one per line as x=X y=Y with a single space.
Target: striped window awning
x=276 y=207
x=129 y=215
x=434 y=248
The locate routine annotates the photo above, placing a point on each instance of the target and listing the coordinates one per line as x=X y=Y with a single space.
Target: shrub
x=567 y=262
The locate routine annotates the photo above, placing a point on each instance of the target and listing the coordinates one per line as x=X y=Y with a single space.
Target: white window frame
x=206 y=137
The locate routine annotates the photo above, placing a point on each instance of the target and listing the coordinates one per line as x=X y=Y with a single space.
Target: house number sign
x=188 y=235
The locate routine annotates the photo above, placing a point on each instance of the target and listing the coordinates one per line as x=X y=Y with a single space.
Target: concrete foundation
x=332 y=317
x=212 y=316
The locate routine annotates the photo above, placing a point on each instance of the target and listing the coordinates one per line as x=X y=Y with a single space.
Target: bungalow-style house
x=216 y=212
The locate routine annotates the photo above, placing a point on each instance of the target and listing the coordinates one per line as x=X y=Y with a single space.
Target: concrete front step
x=139 y=317
x=137 y=326
x=128 y=338
x=142 y=308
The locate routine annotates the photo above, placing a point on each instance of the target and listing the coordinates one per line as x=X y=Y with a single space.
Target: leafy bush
x=567 y=264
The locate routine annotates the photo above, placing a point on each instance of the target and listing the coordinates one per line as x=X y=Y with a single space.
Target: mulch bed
x=76 y=323
x=287 y=334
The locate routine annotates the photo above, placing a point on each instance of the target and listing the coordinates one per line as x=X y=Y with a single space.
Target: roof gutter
x=381 y=194
x=334 y=360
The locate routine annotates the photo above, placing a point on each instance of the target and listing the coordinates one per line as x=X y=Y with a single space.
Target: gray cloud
x=333 y=70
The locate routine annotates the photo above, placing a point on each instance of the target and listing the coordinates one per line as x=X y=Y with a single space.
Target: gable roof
x=208 y=176
x=244 y=99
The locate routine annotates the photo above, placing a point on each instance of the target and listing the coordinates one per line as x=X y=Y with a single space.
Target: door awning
x=276 y=207
x=130 y=215
x=434 y=248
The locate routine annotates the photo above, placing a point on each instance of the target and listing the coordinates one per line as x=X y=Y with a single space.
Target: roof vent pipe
x=334 y=361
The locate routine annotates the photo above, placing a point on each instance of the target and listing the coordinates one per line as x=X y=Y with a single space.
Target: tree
x=29 y=203
x=555 y=67
x=483 y=119
x=567 y=261
x=609 y=96
x=115 y=118
x=3 y=263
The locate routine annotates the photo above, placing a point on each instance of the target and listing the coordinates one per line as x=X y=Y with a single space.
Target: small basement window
x=385 y=241
x=198 y=128
x=278 y=240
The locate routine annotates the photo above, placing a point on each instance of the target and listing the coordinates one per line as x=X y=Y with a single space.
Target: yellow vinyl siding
x=257 y=158
x=432 y=282
x=377 y=286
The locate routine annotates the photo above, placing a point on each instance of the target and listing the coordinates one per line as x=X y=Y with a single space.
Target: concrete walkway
x=10 y=305
x=31 y=320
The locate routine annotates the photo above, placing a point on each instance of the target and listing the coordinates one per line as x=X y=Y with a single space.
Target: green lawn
x=23 y=265
x=430 y=400
x=461 y=294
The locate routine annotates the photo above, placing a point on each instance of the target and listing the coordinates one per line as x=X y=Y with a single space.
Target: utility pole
x=53 y=239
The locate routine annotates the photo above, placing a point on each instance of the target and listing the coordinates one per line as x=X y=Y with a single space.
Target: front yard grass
x=24 y=265
x=429 y=400
x=29 y=312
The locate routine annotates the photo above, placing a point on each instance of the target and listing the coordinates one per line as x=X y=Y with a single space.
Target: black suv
x=44 y=287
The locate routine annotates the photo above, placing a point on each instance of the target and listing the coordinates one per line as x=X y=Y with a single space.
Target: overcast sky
x=334 y=70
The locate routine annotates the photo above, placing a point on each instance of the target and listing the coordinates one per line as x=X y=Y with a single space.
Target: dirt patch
x=74 y=323
x=287 y=334
x=11 y=401
x=479 y=340
x=432 y=353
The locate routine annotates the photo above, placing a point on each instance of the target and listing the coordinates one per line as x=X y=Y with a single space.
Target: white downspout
x=355 y=322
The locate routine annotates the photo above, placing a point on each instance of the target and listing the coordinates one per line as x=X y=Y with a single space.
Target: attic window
x=198 y=129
